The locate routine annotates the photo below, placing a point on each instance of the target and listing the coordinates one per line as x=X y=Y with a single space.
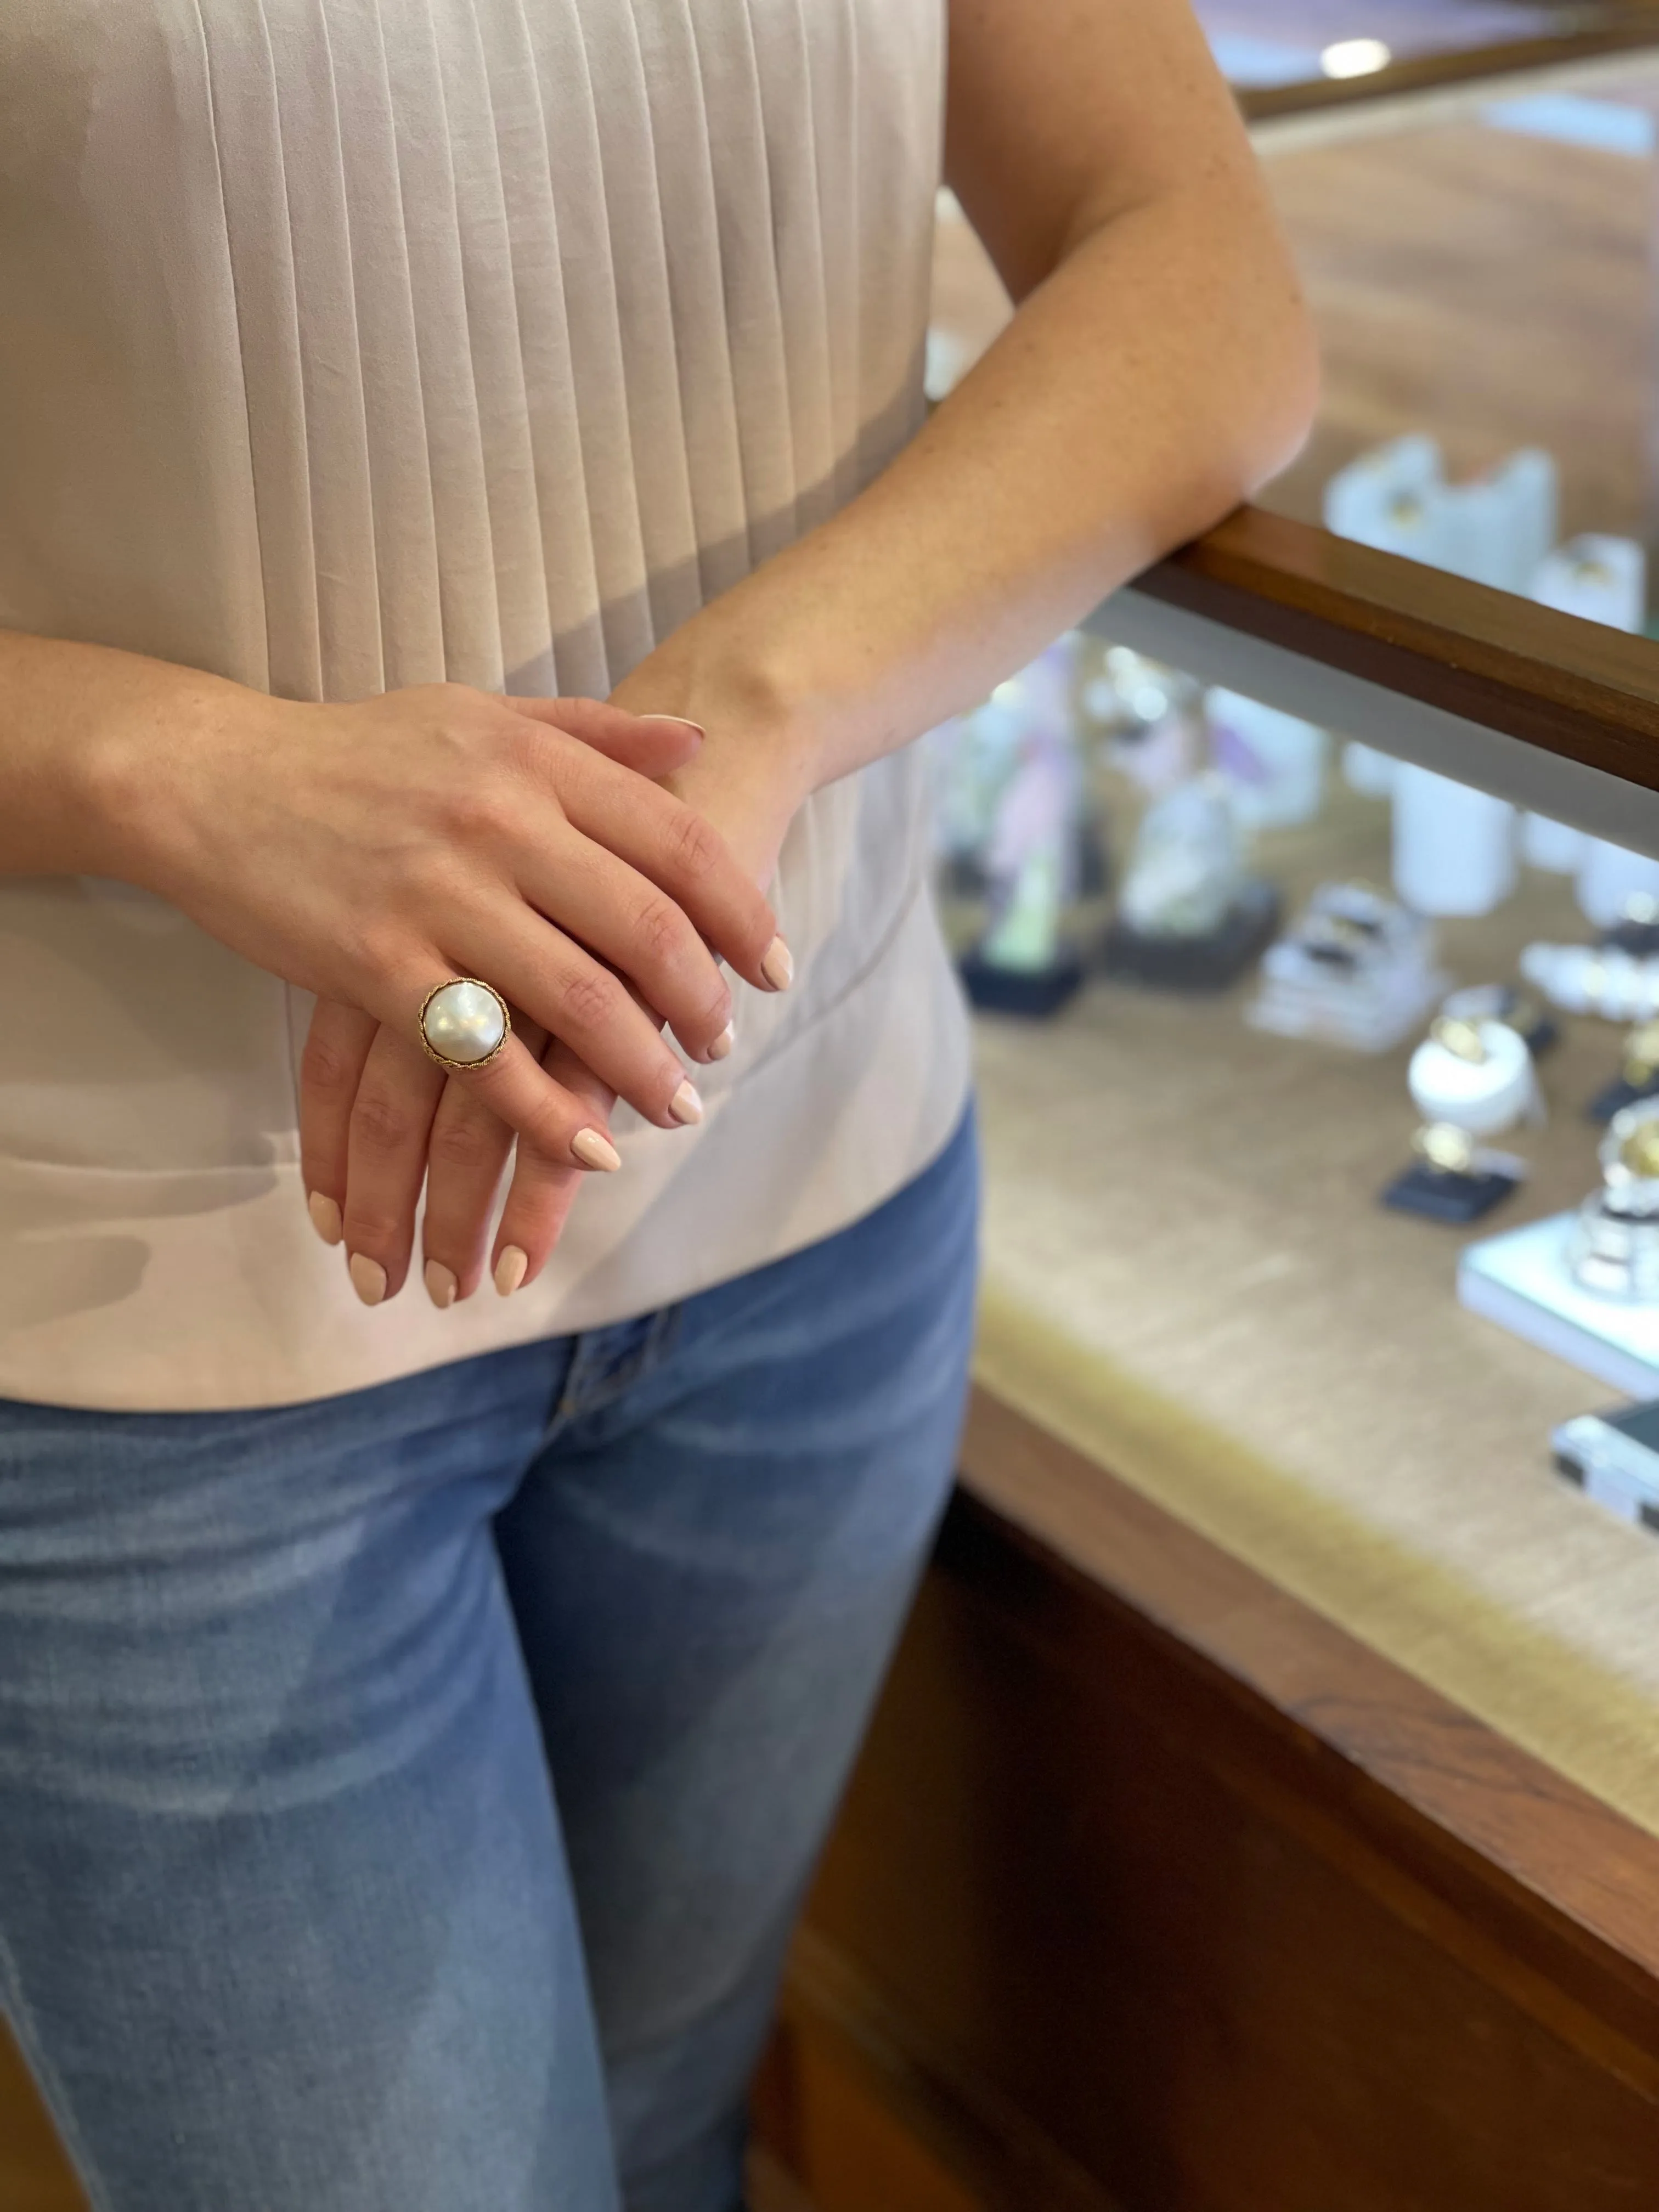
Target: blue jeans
x=405 y=1799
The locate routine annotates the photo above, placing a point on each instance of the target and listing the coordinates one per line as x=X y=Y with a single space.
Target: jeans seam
x=576 y=1403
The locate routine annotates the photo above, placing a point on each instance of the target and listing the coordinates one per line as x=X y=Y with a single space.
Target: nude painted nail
x=368 y=1278
x=723 y=1044
x=511 y=1269
x=595 y=1150
x=441 y=1284
x=685 y=721
x=779 y=966
x=324 y=1217
x=685 y=1105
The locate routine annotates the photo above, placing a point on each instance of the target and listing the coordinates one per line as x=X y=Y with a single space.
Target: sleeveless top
x=346 y=344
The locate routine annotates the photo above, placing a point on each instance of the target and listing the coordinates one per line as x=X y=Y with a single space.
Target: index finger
x=682 y=854
x=651 y=744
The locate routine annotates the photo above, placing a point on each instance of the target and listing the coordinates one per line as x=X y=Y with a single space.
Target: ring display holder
x=1190 y=916
x=1470 y=1079
x=1585 y=1285
x=1357 y=970
x=1637 y=1078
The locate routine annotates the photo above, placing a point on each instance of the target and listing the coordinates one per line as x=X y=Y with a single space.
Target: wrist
x=758 y=736
x=151 y=767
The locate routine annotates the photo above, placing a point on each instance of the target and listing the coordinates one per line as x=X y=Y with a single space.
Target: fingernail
x=324 y=1217
x=778 y=967
x=511 y=1269
x=368 y=1278
x=685 y=1105
x=595 y=1151
x=685 y=721
x=441 y=1284
x=722 y=1043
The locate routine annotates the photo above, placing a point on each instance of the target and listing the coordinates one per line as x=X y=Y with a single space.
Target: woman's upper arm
x=1063 y=114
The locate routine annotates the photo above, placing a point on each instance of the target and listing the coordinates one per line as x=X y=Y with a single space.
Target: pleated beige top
x=352 y=343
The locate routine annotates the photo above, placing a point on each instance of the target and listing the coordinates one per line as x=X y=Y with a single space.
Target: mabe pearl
x=464 y=1022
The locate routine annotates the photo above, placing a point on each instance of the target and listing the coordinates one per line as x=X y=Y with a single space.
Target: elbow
x=1271 y=384
x=1287 y=393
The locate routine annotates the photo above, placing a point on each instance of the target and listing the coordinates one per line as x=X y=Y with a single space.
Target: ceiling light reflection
x=1355 y=57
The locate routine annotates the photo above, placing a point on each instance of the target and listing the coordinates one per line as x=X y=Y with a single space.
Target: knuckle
x=374 y=1230
x=478 y=810
x=382 y=1124
x=661 y=931
x=468 y=1143
x=589 y=999
x=693 y=846
x=328 y=1069
x=532 y=750
x=546 y=1129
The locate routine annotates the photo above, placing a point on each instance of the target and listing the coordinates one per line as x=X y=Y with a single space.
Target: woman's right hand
x=370 y=852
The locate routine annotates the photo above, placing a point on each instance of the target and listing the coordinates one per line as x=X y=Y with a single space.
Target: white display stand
x=1454 y=848
x=1519 y=1280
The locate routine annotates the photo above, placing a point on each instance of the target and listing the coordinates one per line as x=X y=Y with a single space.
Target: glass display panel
x=1319 y=1105
x=1482 y=281
x=1320 y=1095
x=1480 y=265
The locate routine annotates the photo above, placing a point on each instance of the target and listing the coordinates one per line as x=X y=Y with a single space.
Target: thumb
x=652 y=744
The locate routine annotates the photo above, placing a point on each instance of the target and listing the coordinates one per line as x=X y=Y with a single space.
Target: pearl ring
x=465 y=1024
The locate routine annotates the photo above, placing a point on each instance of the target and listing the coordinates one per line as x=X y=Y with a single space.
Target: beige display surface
x=1189 y=1277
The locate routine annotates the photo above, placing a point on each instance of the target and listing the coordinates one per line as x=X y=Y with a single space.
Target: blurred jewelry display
x=1498 y=529
x=1147 y=719
x=1638 y=1077
x=1191 y=916
x=1273 y=764
x=1469 y=1080
x=1587 y=979
x=1520 y=1011
x=1618 y=893
x=1023 y=861
x=1614 y=1458
x=1454 y=848
x=1615 y=1248
x=1358 y=970
x=1368 y=772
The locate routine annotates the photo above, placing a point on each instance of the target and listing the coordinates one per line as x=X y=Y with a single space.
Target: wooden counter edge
x=1555 y=1888
x=993 y=2007
x=1577 y=689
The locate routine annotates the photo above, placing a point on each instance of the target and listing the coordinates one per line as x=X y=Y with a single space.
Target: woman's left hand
x=379 y=1121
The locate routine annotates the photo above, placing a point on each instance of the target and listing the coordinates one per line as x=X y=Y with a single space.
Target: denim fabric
x=405 y=1798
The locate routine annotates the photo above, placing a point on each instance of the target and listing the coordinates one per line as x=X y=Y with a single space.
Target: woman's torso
x=355 y=344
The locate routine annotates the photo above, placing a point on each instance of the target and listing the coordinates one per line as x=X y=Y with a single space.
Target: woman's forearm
x=76 y=721
x=1159 y=375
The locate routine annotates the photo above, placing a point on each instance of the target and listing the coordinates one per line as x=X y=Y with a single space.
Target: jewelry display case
x=1264 y=1811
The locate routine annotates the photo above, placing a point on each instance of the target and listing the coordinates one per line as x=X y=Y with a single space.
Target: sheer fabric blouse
x=347 y=344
